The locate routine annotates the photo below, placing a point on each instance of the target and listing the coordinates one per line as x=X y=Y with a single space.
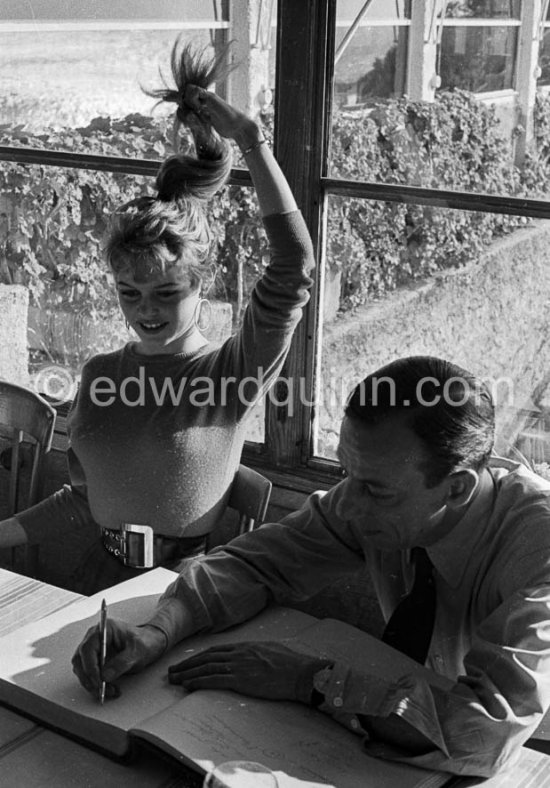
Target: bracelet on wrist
x=253 y=147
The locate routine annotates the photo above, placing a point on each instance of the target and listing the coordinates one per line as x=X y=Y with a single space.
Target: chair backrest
x=24 y=417
x=249 y=496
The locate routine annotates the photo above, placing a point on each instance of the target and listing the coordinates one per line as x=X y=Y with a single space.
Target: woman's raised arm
x=274 y=194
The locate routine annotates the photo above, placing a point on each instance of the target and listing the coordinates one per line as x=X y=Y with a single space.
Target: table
x=32 y=756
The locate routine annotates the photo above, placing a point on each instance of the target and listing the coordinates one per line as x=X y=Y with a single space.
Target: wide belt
x=139 y=547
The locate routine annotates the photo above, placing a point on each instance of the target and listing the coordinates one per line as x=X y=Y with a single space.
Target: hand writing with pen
x=128 y=649
x=258 y=669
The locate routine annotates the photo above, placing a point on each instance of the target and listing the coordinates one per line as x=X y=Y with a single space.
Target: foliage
x=54 y=219
x=451 y=144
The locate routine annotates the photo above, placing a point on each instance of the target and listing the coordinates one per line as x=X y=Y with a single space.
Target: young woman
x=157 y=429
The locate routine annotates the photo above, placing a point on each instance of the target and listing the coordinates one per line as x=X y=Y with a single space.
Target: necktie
x=411 y=624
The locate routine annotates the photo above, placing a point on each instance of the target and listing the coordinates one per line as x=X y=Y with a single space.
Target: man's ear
x=462 y=485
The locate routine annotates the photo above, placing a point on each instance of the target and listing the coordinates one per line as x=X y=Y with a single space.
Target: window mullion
x=302 y=108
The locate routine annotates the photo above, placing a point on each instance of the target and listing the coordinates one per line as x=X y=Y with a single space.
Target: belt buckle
x=136 y=545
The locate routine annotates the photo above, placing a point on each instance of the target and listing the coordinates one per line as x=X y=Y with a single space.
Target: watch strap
x=320 y=683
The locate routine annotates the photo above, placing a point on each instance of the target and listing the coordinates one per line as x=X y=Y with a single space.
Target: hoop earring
x=202 y=322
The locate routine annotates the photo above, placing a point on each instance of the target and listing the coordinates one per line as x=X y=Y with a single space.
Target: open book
x=303 y=746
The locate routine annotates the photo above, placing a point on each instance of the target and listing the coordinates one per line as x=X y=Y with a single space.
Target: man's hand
x=129 y=650
x=262 y=670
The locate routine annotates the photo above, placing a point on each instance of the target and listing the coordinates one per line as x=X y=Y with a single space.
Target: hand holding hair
x=201 y=111
x=225 y=120
x=211 y=120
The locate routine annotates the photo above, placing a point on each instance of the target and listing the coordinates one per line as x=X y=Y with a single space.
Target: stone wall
x=14 y=360
x=492 y=318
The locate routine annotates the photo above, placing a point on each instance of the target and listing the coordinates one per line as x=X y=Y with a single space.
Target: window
x=427 y=204
x=544 y=52
x=404 y=262
x=443 y=283
x=371 y=50
x=72 y=78
x=478 y=50
x=64 y=64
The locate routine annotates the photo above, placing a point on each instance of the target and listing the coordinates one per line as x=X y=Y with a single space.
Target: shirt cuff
x=359 y=693
x=173 y=619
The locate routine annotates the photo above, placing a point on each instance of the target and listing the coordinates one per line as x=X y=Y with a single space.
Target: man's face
x=385 y=492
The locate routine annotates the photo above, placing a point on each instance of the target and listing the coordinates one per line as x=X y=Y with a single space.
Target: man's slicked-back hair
x=448 y=408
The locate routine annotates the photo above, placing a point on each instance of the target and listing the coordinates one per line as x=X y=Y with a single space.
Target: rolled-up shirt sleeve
x=477 y=724
x=490 y=687
x=281 y=562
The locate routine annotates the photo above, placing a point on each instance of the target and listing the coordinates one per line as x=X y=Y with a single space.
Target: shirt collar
x=450 y=555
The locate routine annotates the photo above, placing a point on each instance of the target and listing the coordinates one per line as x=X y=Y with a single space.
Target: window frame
x=311 y=28
x=302 y=145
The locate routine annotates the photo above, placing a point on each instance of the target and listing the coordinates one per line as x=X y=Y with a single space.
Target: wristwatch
x=320 y=684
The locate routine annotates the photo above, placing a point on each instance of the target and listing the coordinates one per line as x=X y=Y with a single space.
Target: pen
x=103 y=655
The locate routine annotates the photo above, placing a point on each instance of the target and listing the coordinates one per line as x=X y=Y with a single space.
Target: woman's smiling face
x=161 y=309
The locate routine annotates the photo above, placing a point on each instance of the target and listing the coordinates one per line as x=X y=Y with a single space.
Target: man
x=428 y=511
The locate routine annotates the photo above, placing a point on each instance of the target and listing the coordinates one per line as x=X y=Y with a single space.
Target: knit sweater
x=157 y=439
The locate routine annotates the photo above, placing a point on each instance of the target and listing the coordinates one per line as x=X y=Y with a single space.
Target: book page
x=36 y=674
x=303 y=746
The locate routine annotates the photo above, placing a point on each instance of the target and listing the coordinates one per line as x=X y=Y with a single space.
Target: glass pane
x=369 y=60
x=453 y=142
x=544 y=58
x=348 y=10
x=478 y=59
x=372 y=67
x=64 y=64
x=484 y=9
x=404 y=280
x=57 y=293
x=437 y=110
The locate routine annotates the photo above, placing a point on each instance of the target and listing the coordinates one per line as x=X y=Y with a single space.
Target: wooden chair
x=26 y=429
x=249 y=497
